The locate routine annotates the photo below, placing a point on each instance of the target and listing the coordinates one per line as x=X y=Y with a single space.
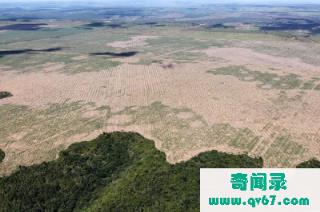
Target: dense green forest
x=2 y=155
x=114 y=172
x=310 y=164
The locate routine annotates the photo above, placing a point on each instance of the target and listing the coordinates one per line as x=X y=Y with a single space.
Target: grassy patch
x=180 y=130
x=263 y=79
x=35 y=62
x=317 y=87
x=12 y=37
x=283 y=150
x=176 y=48
x=308 y=85
x=283 y=98
x=148 y=61
x=91 y=64
x=41 y=132
x=115 y=172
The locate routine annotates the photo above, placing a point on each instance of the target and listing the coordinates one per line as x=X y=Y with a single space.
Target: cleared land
x=189 y=88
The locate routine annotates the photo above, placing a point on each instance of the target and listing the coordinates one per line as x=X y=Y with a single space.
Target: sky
x=169 y=2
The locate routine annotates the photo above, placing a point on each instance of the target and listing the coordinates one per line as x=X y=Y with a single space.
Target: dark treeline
x=98 y=24
x=293 y=24
x=2 y=155
x=28 y=27
x=4 y=94
x=115 y=54
x=23 y=51
x=310 y=164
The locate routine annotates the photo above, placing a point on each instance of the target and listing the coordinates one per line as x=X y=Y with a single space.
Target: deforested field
x=190 y=87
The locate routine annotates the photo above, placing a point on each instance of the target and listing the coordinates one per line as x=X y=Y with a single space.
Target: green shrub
x=2 y=155
x=4 y=94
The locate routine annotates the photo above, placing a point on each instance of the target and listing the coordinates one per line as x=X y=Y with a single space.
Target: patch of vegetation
x=219 y=26
x=93 y=25
x=2 y=155
x=266 y=80
x=148 y=61
x=5 y=94
x=283 y=98
x=184 y=125
x=308 y=85
x=28 y=62
x=115 y=54
x=178 y=131
x=317 y=87
x=92 y=64
x=23 y=38
x=310 y=164
x=283 y=24
x=177 y=48
x=192 y=131
x=114 y=172
x=25 y=51
x=52 y=126
x=23 y=26
x=283 y=150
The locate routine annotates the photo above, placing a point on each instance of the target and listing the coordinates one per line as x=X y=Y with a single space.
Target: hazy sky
x=170 y=2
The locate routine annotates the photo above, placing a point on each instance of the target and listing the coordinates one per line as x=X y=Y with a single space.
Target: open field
x=238 y=88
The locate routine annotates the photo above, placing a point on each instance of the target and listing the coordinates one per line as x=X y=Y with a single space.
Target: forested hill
x=114 y=172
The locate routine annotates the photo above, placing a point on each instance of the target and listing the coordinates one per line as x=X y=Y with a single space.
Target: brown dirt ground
x=218 y=99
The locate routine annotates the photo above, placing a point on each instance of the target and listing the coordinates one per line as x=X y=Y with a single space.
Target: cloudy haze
x=169 y=2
